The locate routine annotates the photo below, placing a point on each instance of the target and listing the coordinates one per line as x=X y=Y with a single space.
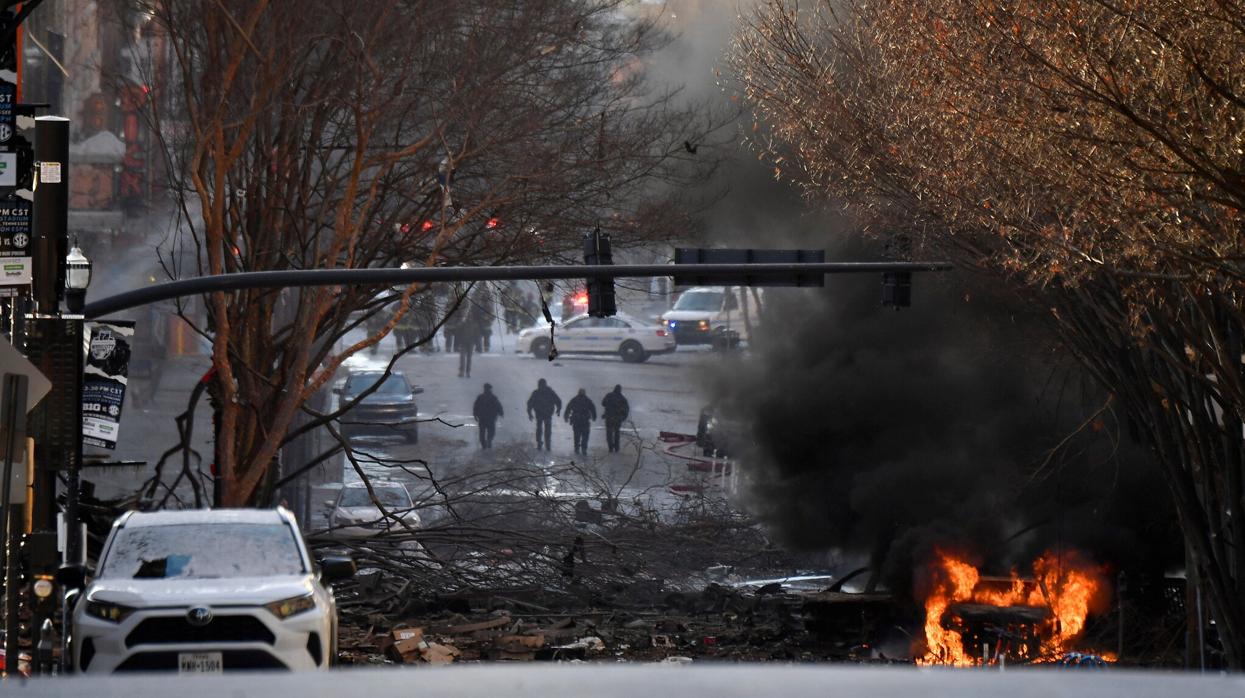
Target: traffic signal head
x=897 y=289
x=600 y=291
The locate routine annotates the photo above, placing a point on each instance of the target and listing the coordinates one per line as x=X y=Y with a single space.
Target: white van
x=721 y=315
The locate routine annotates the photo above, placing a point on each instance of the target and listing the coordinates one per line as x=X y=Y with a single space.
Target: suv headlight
x=292 y=606
x=104 y=610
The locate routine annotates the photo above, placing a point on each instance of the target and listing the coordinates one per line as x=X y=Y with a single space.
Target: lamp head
x=77 y=278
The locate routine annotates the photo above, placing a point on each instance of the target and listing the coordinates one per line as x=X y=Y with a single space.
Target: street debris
x=716 y=622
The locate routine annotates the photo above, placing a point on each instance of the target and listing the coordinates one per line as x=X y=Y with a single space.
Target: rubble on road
x=716 y=623
x=585 y=574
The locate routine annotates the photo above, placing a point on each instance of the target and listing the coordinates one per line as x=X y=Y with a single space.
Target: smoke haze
x=884 y=434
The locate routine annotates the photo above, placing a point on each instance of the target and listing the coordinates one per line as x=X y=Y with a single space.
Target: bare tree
x=1088 y=153
x=370 y=134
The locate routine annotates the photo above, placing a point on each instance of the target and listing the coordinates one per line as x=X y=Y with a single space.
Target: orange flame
x=1067 y=586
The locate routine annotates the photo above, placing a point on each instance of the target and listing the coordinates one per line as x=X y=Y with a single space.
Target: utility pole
x=59 y=345
x=15 y=254
x=12 y=409
x=55 y=346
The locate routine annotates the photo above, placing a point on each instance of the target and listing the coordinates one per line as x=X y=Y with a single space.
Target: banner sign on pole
x=108 y=346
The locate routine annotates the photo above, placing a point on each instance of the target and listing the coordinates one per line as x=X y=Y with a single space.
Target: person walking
x=406 y=332
x=486 y=410
x=580 y=413
x=481 y=314
x=614 y=410
x=451 y=331
x=510 y=308
x=374 y=324
x=542 y=405
x=465 y=341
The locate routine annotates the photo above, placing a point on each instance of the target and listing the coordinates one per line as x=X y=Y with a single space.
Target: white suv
x=205 y=591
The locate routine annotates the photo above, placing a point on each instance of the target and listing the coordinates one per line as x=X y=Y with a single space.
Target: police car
x=621 y=335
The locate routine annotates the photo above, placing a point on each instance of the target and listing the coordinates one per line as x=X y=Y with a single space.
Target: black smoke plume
x=957 y=422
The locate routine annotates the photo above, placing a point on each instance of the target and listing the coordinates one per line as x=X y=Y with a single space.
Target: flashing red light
x=492 y=223
x=581 y=299
x=426 y=226
x=406 y=228
x=146 y=89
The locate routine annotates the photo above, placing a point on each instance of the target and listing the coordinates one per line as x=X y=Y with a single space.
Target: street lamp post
x=77 y=278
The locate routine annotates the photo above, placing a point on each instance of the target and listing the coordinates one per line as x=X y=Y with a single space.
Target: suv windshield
x=394 y=385
x=701 y=301
x=203 y=551
x=388 y=496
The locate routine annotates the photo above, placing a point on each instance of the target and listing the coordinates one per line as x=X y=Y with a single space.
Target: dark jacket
x=615 y=407
x=580 y=410
x=465 y=334
x=544 y=402
x=487 y=408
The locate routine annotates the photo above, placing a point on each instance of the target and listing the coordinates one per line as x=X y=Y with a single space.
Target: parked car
x=206 y=591
x=625 y=336
x=712 y=315
x=388 y=410
x=353 y=514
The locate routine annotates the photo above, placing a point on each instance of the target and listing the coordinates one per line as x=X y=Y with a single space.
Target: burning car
x=971 y=619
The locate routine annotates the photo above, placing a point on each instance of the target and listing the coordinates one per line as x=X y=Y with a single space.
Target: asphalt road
x=662 y=393
x=548 y=680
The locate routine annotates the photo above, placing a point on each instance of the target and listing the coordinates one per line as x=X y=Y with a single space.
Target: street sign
x=15 y=228
x=8 y=104
x=104 y=379
x=15 y=271
x=13 y=362
x=15 y=258
x=8 y=169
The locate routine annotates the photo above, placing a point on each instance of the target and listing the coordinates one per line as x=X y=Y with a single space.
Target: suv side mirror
x=72 y=576
x=333 y=569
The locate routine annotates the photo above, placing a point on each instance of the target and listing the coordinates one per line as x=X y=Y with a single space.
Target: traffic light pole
x=13 y=409
x=382 y=277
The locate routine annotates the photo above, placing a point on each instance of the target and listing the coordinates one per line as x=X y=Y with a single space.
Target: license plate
x=199 y=663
